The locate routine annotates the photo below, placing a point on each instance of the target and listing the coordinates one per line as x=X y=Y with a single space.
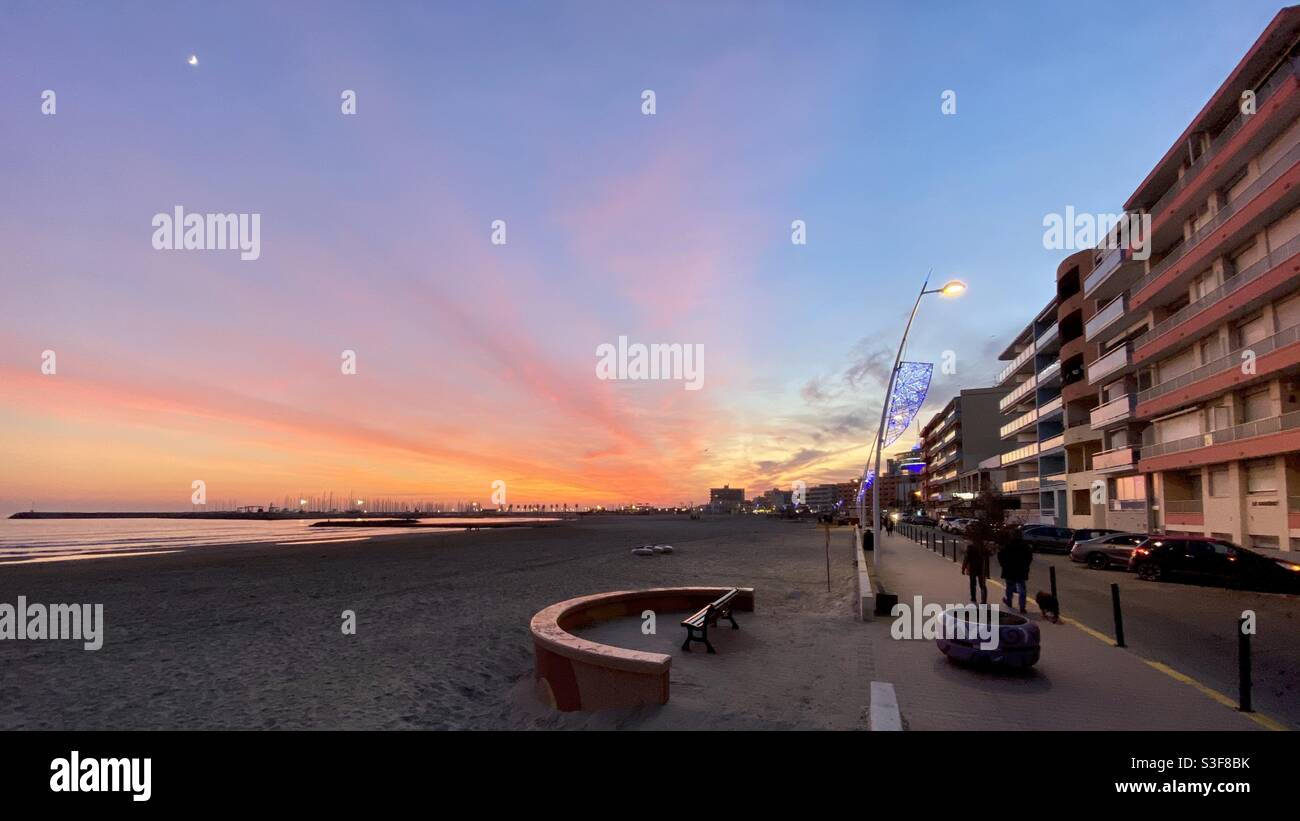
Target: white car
x=958 y=526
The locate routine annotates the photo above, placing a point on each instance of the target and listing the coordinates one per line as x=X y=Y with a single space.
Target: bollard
x=1051 y=571
x=1119 y=616
x=1243 y=667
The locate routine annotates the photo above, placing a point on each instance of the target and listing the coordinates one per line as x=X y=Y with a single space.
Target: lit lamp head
x=954 y=288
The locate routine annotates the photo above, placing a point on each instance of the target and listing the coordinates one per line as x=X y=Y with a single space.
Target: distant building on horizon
x=726 y=499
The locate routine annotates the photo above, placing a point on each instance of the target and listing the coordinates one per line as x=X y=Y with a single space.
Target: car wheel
x=1097 y=561
x=1149 y=572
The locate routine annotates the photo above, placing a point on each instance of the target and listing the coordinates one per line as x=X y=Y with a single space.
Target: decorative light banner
x=910 y=387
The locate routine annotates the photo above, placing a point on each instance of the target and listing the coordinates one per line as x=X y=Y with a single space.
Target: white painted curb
x=884 y=707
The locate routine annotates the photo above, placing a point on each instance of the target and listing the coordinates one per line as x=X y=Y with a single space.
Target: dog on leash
x=1049 y=605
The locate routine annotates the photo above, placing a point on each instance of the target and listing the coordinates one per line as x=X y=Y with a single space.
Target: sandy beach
x=248 y=636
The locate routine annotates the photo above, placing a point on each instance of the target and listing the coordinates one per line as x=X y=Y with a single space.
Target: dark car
x=1048 y=539
x=1084 y=534
x=1212 y=560
x=1111 y=550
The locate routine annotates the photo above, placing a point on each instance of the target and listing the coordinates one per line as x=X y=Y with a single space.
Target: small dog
x=1049 y=605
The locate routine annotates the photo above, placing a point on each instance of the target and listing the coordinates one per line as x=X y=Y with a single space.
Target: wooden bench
x=697 y=625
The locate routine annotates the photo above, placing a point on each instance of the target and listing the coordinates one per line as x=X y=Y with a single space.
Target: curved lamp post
x=953 y=288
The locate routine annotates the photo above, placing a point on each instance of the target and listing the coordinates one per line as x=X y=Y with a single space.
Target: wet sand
x=248 y=636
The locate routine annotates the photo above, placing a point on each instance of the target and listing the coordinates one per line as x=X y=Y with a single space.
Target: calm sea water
x=24 y=541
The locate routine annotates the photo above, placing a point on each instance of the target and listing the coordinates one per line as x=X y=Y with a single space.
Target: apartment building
x=1197 y=360
x=954 y=442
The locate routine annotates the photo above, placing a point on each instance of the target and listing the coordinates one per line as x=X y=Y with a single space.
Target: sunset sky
x=476 y=362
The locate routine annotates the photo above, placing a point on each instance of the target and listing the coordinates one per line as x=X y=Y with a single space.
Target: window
x=1219 y=482
x=1260 y=477
x=1265 y=542
x=1179 y=427
x=1252 y=330
x=1257 y=405
x=1128 y=487
x=1288 y=312
x=1211 y=349
x=1219 y=417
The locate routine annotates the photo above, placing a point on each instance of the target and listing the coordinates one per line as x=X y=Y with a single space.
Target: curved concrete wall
x=573 y=673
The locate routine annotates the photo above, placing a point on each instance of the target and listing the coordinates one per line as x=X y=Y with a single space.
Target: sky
x=475 y=361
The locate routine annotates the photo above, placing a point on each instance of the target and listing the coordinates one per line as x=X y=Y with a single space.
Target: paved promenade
x=1082 y=682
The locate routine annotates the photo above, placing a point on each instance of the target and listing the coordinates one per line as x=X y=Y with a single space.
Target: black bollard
x=1243 y=667
x=1119 y=616
x=1051 y=571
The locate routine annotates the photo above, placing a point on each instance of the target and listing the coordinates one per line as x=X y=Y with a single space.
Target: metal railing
x=1121 y=407
x=1021 y=422
x=1108 y=265
x=1244 y=277
x=1283 y=164
x=1048 y=372
x=1109 y=362
x=1018 y=393
x=1193 y=171
x=1228 y=361
x=1184 y=506
x=1048 y=335
x=1128 y=504
x=1017 y=363
x=1105 y=317
x=1114 y=458
x=1247 y=430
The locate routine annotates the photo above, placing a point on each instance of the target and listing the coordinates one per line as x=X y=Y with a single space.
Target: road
x=1191 y=628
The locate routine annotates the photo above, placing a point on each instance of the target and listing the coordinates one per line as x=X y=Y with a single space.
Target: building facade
x=726 y=499
x=954 y=443
x=1197 y=368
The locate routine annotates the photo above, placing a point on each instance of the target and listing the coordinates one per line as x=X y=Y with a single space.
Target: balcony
x=1044 y=339
x=1113 y=412
x=1244 y=277
x=1047 y=373
x=1105 y=318
x=1193 y=171
x=1053 y=443
x=1020 y=485
x=1109 y=264
x=1018 y=394
x=1184 y=506
x=1050 y=407
x=1228 y=362
x=1053 y=481
x=1016 y=364
x=1020 y=454
x=1019 y=423
x=1236 y=433
x=1211 y=228
x=1115 y=459
x=1128 y=504
x=1109 y=364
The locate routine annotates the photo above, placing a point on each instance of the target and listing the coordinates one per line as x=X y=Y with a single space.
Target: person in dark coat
x=1015 y=558
x=975 y=564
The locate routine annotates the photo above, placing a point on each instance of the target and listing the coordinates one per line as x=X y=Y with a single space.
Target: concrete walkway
x=1082 y=682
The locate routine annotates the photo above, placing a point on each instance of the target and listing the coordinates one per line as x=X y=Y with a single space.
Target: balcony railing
x=1244 y=277
x=1284 y=164
x=1051 y=332
x=1116 y=410
x=1260 y=427
x=1105 y=317
x=1048 y=372
x=1053 y=443
x=1108 y=265
x=1193 y=171
x=1054 y=479
x=1109 y=363
x=1018 y=393
x=1020 y=454
x=1115 y=458
x=1184 y=506
x=1128 y=504
x=1020 y=485
x=1017 y=363
x=1224 y=363
x=1050 y=407
x=1019 y=423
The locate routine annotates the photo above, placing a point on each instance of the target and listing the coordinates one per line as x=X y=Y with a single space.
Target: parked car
x=1085 y=534
x=1048 y=539
x=1212 y=560
x=958 y=526
x=924 y=521
x=1109 y=550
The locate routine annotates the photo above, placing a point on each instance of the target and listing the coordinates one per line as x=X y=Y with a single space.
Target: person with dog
x=1014 y=559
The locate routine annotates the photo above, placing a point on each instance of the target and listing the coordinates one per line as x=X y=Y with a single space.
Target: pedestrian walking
x=975 y=565
x=1014 y=558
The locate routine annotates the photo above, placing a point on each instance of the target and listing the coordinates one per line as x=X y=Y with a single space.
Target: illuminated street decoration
x=910 y=387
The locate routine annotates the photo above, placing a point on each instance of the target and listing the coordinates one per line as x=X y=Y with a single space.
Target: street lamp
x=953 y=288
